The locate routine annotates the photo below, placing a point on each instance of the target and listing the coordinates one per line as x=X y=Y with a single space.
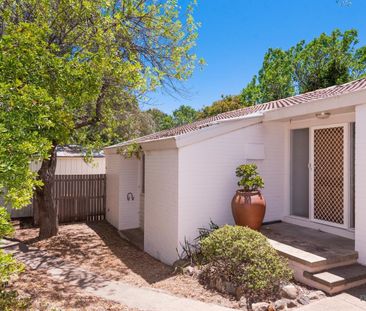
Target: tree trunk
x=47 y=209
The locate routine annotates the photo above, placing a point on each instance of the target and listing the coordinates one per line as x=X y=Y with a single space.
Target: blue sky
x=235 y=34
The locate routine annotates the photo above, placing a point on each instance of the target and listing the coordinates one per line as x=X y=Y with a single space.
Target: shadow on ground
x=98 y=245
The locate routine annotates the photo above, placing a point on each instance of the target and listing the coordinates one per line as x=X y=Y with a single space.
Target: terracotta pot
x=248 y=209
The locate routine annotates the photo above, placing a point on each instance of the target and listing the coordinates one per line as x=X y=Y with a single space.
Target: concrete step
x=302 y=260
x=337 y=279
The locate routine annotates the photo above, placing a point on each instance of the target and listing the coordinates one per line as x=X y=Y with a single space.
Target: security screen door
x=329 y=174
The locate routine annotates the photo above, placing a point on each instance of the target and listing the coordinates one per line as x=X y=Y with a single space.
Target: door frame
x=346 y=175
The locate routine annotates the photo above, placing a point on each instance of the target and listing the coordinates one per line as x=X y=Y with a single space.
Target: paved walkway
x=131 y=296
x=341 y=302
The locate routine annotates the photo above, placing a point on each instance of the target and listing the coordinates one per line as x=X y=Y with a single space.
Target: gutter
x=201 y=129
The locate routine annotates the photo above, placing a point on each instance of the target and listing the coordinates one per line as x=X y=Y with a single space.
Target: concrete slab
x=342 y=302
x=134 y=236
x=308 y=246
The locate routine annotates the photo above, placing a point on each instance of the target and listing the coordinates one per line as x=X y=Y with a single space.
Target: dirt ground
x=98 y=247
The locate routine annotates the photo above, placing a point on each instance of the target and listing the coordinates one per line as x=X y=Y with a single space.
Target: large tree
x=68 y=70
x=324 y=61
x=226 y=103
x=184 y=114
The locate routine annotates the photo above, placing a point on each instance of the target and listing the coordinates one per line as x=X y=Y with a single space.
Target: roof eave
x=311 y=108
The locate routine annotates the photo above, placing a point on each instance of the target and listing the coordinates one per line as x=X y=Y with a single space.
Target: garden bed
x=97 y=247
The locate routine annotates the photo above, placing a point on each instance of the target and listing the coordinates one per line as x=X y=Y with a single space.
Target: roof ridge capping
x=253 y=111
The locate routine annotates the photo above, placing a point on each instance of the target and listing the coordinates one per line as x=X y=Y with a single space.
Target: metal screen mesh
x=328 y=174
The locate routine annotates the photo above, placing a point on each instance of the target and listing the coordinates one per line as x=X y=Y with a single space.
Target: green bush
x=9 y=268
x=10 y=301
x=244 y=257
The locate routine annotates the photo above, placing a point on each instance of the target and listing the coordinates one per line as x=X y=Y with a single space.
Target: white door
x=329 y=175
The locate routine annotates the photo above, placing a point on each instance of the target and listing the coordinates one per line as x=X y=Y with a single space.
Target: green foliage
x=180 y=116
x=251 y=94
x=9 y=268
x=244 y=257
x=191 y=250
x=8 y=265
x=130 y=151
x=10 y=301
x=184 y=115
x=227 y=103
x=249 y=177
x=325 y=61
x=275 y=76
x=72 y=73
x=328 y=60
x=162 y=121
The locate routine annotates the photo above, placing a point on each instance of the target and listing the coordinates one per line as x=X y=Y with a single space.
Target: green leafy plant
x=130 y=151
x=244 y=257
x=191 y=250
x=249 y=177
x=9 y=268
x=10 y=301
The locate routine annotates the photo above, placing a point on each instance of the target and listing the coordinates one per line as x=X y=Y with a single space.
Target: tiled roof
x=309 y=97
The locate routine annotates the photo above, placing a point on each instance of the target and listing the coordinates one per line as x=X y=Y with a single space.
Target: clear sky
x=235 y=34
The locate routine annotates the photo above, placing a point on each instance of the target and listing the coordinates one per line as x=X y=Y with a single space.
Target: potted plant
x=248 y=205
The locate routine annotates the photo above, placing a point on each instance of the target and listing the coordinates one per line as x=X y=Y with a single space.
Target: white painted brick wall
x=122 y=178
x=161 y=204
x=360 y=172
x=207 y=180
x=112 y=188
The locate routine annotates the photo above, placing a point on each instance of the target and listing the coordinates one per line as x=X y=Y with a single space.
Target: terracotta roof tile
x=332 y=91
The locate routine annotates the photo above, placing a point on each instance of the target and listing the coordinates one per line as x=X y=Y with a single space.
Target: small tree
x=249 y=177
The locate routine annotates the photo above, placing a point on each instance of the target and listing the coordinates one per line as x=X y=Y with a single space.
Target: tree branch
x=86 y=121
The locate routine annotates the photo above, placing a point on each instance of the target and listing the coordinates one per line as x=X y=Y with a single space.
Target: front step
x=310 y=262
x=338 y=279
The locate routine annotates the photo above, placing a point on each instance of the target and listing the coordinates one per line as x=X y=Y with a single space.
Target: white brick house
x=310 y=150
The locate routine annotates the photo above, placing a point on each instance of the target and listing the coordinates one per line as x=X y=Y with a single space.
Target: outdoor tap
x=130 y=196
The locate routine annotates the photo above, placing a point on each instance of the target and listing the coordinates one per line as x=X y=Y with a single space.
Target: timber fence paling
x=79 y=197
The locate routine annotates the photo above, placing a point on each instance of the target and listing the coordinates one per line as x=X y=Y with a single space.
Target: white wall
x=360 y=175
x=161 y=204
x=75 y=166
x=122 y=178
x=207 y=180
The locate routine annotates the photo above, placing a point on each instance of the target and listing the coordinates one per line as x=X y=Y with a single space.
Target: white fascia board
x=212 y=129
x=218 y=128
x=311 y=108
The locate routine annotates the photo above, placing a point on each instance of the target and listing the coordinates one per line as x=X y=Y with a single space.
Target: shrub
x=191 y=250
x=244 y=257
x=9 y=268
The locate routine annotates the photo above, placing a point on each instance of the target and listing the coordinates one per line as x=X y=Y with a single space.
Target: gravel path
x=93 y=284
x=98 y=248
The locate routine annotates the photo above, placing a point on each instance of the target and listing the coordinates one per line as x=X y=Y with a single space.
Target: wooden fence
x=78 y=198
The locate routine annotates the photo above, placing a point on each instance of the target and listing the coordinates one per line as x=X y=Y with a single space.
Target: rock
x=260 y=306
x=230 y=288
x=243 y=303
x=220 y=286
x=321 y=294
x=291 y=304
x=239 y=292
x=180 y=264
x=289 y=291
x=303 y=299
x=281 y=304
x=189 y=270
